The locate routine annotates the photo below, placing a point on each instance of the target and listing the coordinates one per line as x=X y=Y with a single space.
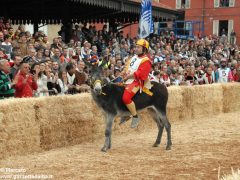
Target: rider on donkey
x=135 y=76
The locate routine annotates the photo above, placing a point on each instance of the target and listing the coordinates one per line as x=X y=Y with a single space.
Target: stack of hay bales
x=19 y=130
x=175 y=103
x=30 y=125
x=65 y=120
x=231 y=97
x=206 y=100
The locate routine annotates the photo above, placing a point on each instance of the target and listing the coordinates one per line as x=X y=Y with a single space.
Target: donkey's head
x=97 y=78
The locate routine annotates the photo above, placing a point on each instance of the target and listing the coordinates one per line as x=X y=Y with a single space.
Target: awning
x=59 y=11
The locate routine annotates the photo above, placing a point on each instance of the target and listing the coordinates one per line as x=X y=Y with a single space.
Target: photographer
x=52 y=83
x=26 y=82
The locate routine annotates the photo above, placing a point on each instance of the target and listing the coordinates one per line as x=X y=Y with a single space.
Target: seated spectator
x=6 y=86
x=63 y=82
x=76 y=80
x=53 y=84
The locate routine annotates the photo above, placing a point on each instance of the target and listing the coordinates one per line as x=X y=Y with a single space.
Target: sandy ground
x=200 y=147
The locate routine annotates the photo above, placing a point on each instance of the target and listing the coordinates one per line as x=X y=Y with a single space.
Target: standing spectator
x=6 y=87
x=209 y=77
x=233 y=37
x=223 y=73
x=26 y=82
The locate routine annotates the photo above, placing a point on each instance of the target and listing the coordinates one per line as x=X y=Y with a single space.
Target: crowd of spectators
x=30 y=65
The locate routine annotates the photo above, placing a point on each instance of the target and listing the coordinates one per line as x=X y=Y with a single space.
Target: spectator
x=26 y=83
x=7 y=46
x=22 y=44
x=236 y=74
x=164 y=79
x=223 y=73
x=6 y=86
x=42 y=89
x=17 y=60
x=63 y=82
x=209 y=76
x=56 y=56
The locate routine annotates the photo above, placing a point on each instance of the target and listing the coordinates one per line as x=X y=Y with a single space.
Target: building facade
x=217 y=16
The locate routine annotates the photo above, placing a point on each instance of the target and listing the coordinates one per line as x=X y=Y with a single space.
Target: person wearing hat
x=135 y=74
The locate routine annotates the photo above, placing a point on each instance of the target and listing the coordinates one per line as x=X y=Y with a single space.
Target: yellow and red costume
x=140 y=67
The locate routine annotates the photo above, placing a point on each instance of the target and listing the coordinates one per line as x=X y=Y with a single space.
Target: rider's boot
x=135 y=119
x=124 y=119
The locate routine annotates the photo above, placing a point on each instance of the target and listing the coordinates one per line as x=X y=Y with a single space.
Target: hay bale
x=187 y=103
x=19 y=130
x=231 y=98
x=234 y=176
x=65 y=120
x=175 y=103
x=207 y=100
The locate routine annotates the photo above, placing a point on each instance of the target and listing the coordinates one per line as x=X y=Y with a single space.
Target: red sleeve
x=34 y=85
x=143 y=71
x=19 y=84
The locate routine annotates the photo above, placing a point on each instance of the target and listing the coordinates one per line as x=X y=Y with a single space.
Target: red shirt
x=25 y=89
x=235 y=78
x=143 y=70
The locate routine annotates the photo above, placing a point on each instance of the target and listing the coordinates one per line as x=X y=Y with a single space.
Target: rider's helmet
x=143 y=42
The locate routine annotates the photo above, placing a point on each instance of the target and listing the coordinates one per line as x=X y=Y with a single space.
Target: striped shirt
x=5 y=86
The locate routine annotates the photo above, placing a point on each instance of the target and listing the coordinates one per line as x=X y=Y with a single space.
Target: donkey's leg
x=155 y=117
x=108 y=131
x=167 y=125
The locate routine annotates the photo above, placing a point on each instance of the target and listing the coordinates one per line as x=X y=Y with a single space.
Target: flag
x=146 y=22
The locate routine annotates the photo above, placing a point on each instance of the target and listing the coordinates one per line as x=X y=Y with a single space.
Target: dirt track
x=200 y=146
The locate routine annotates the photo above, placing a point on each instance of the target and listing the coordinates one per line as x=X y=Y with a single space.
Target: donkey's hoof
x=155 y=145
x=104 y=149
x=168 y=148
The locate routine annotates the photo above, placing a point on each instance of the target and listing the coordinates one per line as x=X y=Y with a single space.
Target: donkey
x=108 y=97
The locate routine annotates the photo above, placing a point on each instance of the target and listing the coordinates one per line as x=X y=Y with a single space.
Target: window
x=182 y=4
x=224 y=3
x=221 y=27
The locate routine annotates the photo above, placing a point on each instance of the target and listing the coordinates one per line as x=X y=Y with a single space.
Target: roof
x=57 y=11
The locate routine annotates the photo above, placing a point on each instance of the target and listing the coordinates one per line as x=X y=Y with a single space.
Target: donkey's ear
x=88 y=64
x=104 y=62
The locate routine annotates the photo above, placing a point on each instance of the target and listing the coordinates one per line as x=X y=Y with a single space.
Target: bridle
x=103 y=84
